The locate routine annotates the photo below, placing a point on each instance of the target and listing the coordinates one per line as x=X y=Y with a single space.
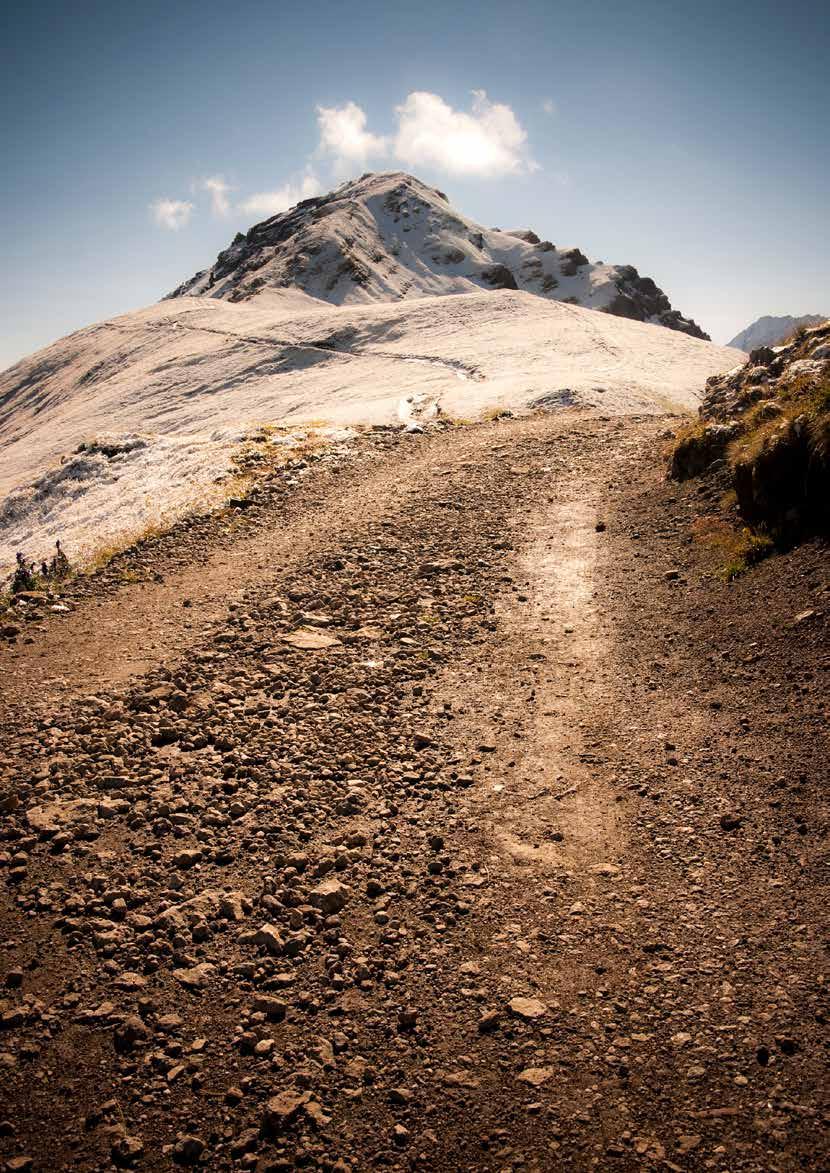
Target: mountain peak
x=388 y=236
x=770 y=331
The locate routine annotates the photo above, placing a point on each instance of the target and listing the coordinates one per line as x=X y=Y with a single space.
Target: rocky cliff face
x=765 y=428
x=386 y=237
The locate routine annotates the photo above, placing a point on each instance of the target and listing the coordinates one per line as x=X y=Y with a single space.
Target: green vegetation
x=769 y=420
x=764 y=433
x=735 y=550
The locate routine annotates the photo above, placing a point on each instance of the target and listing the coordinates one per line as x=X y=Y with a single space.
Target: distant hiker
x=60 y=563
x=44 y=569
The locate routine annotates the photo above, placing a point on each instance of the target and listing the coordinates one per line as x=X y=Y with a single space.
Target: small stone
x=126 y=1150
x=730 y=822
x=188 y=1149
x=310 y=641
x=169 y=1023
x=130 y=981
x=274 y=1009
x=536 y=1076
x=527 y=1008
x=246 y=1142
x=489 y=1021
x=268 y=937
x=282 y=1109
x=187 y=859
x=400 y=1134
x=128 y=1033
x=196 y=977
x=407 y=1019
x=329 y=896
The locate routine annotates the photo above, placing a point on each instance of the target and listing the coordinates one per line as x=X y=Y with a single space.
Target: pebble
x=527 y=1008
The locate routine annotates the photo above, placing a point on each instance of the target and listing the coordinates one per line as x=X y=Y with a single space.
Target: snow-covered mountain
x=387 y=236
x=769 y=331
x=331 y=316
x=129 y=422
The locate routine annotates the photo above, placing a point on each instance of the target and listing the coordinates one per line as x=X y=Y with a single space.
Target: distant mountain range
x=769 y=331
x=387 y=237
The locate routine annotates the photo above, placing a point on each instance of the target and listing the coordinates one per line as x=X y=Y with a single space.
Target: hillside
x=770 y=331
x=130 y=422
x=387 y=237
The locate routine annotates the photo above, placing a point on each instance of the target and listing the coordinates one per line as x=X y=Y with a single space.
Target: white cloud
x=172 y=214
x=549 y=106
x=268 y=203
x=488 y=141
x=220 y=205
x=344 y=136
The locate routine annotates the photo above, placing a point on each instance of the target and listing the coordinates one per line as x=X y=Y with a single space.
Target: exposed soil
x=444 y=810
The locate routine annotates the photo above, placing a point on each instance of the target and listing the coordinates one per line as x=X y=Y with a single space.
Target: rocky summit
x=388 y=236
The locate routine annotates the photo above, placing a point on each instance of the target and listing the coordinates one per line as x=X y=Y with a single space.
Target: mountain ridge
x=387 y=236
x=772 y=331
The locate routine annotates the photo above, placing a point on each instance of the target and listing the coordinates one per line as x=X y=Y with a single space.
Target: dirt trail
x=180 y=594
x=477 y=827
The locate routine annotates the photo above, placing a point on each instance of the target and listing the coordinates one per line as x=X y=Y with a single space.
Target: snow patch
x=178 y=386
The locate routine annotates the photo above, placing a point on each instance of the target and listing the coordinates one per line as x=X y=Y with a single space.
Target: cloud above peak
x=488 y=141
x=344 y=137
x=268 y=203
x=171 y=214
x=220 y=203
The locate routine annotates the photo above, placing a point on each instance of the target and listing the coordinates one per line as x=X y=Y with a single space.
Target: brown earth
x=520 y=866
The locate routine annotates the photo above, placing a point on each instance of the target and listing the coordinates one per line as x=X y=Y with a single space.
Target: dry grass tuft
x=734 y=550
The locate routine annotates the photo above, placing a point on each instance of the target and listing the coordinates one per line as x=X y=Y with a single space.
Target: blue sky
x=689 y=140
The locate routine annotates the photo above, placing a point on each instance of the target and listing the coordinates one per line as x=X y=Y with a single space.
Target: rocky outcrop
x=499 y=277
x=641 y=299
x=388 y=236
x=766 y=427
x=697 y=451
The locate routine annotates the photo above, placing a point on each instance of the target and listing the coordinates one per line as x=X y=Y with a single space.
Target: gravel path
x=441 y=810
